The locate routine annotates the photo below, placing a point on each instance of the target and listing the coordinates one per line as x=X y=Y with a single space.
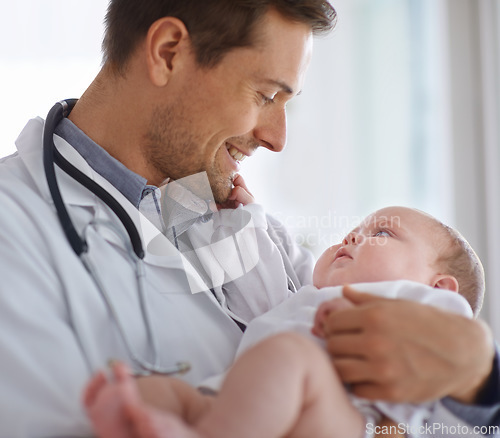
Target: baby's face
x=394 y=243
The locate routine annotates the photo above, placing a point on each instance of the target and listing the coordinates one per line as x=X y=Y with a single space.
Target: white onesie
x=296 y=314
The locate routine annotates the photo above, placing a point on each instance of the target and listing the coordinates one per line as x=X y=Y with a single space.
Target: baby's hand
x=239 y=195
x=324 y=310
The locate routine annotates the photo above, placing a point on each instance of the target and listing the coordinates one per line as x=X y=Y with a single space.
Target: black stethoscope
x=133 y=242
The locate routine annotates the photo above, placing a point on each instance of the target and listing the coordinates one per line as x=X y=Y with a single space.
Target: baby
x=283 y=383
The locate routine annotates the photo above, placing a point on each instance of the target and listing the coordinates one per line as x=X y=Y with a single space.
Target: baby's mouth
x=342 y=253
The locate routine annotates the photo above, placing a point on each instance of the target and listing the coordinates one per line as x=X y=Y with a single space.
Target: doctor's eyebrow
x=282 y=85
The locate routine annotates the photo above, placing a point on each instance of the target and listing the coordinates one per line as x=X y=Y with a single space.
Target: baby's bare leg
x=285 y=386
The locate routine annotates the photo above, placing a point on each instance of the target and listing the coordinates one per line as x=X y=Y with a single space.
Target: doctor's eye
x=266 y=100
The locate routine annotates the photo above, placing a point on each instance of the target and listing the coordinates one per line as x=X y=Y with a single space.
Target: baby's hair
x=458 y=259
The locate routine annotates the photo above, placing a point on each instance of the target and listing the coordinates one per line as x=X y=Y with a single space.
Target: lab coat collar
x=29 y=146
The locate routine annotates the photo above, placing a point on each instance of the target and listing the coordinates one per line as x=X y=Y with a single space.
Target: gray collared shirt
x=178 y=214
x=130 y=185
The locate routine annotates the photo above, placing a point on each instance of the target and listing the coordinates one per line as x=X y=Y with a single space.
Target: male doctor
x=186 y=87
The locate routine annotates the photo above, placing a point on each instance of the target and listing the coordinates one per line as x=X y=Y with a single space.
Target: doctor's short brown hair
x=215 y=26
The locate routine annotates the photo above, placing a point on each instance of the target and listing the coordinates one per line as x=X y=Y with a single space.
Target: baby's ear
x=445 y=282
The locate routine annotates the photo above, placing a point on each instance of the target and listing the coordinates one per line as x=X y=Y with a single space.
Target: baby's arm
x=252 y=261
x=240 y=195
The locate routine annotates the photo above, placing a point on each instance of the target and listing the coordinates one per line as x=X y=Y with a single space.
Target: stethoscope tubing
x=52 y=156
x=55 y=115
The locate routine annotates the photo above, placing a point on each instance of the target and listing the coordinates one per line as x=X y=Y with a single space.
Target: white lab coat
x=43 y=365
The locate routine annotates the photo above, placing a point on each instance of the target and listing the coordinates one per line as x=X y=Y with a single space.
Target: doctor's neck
x=115 y=112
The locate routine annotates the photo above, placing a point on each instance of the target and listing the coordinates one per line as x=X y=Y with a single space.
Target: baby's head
x=399 y=243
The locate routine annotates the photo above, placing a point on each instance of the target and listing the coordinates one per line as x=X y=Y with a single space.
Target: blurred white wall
x=474 y=76
x=371 y=128
x=400 y=107
x=49 y=50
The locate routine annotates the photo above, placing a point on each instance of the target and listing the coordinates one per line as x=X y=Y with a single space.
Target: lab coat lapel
x=159 y=250
x=29 y=146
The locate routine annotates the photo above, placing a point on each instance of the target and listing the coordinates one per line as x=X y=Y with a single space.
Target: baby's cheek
x=317 y=275
x=322 y=269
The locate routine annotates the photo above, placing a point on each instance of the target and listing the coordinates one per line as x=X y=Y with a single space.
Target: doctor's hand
x=240 y=195
x=403 y=351
x=323 y=312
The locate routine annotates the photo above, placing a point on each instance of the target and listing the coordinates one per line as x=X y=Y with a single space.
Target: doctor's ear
x=166 y=41
x=445 y=282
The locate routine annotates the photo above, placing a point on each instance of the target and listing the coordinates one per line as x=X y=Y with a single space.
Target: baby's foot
x=93 y=388
x=105 y=402
x=152 y=423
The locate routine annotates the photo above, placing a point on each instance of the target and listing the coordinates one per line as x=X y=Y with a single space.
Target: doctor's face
x=395 y=243
x=221 y=115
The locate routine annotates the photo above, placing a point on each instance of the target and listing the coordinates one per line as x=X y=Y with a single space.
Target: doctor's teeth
x=236 y=154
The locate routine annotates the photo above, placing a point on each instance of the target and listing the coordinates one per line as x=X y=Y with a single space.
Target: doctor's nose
x=270 y=131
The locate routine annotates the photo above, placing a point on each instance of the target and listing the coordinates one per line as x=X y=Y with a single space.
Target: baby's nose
x=350 y=239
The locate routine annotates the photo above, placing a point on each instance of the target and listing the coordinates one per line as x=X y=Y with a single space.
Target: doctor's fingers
x=363 y=357
x=370 y=380
x=373 y=355
x=348 y=345
x=373 y=317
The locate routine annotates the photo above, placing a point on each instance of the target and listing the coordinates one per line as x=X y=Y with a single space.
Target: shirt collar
x=130 y=184
x=177 y=206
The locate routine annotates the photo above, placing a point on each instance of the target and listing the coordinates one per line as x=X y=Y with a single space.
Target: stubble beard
x=171 y=149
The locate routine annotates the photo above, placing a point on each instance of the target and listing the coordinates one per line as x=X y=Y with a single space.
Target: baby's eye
x=382 y=233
